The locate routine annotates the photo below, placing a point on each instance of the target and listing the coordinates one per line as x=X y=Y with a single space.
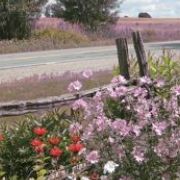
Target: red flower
x=56 y=152
x=40 y=131
x=75 y=147
x=1 y=137
x=36 y=142
x=75 y=138
x=54 y=140
x=39 y=149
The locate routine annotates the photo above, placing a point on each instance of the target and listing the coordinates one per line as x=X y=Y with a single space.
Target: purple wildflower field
x=152 y=29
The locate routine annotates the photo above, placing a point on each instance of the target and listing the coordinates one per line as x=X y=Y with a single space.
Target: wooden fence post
x=123 y=57
x=140 y=53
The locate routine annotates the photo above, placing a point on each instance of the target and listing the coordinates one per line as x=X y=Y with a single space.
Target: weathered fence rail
x=16 y=108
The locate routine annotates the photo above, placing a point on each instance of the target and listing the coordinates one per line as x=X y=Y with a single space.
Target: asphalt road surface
x=19 y=60
x=20 y=65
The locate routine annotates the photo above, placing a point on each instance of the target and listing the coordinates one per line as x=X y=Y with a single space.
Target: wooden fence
x=17 y=108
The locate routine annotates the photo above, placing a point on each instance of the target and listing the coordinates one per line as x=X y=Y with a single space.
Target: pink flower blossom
x=75 y=128
x=87 y=73
x=176 y=90
x=136 y=129
x=159 y=127
x=93 y=157
x=160 y=83
x=139 y=92
x=161 y=149
x=97 y=97
x=138 y=153
x=79 y=104
x=112 y=93
x=88 y=132
x=121 y=91
x=74 y=86
x=101 y=123
x=145 y=80
x=119 y=80
x=121 y=127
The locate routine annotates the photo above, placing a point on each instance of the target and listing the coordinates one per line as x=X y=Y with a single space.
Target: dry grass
x=45 y=85
x=149 y=20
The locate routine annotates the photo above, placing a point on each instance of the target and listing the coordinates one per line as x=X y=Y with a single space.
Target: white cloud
x=157 y=8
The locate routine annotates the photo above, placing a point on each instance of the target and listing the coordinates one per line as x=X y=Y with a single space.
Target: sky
x=156 y=8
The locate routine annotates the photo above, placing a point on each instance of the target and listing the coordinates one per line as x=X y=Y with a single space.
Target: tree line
x=16 y=16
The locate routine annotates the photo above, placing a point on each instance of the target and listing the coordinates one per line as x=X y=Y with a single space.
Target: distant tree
x=144 y=15
x=91 y=13
x=54 y=10
x=15 y=17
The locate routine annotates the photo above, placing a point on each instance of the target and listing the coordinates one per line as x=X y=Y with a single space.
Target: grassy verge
x=44 y=85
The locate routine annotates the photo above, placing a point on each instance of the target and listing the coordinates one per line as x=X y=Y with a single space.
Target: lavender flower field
x=152 y=29
x=53 y=33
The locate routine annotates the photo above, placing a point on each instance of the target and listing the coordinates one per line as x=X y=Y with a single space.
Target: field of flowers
x=53 y=33
x=129 y=131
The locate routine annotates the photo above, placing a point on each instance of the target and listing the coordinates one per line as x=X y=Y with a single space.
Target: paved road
x=19 y=65
x=72 y=55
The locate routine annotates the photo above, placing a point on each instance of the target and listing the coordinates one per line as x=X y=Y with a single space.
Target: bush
x=57 y=36
x=123 y=132
x=14 y=24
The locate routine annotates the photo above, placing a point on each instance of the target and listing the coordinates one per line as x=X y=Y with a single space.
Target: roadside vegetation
x=48 y=85
x=165 y=67
x=127 y=132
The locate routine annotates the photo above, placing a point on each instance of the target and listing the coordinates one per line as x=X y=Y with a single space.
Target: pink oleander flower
x=79 y=104
x=121 y=127
x=159 y=127
x=160 y=83
x=121 y=91
x=100 y=107
x=145 y=80
x=88 y=132
x=176 y=90
x=97 y=97
x=93 y=157
x=101 y=123
x=119 y=80
x=111 y=92
x=161 y=149
x=136 y=129
x=139 y=92
x=87 y=74
x=74 y=86
x=75 y=128
x=138 y=153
